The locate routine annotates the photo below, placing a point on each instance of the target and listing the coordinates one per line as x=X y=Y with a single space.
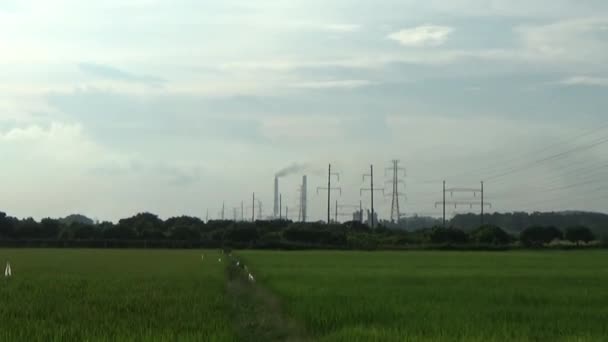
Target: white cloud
x=426 y=35
x=58 y=143
x=56 y=132
x=579 y=40
x=343 y=84
x=585 y=81
x=342 y=27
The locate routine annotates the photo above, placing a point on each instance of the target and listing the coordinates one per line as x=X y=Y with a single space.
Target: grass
x=441 y=296
x=157 y=295
x=113 y=295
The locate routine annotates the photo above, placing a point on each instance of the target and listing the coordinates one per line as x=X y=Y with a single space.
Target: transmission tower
x=395 y=194
x=471 y=203
x=329 y=189
x=253 y=208
x=234 y=214
x=371 y=189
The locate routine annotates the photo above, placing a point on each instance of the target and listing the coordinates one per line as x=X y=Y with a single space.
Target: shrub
x=537 y=236
x=578 y=234
x=489 y=234
x=446 y=235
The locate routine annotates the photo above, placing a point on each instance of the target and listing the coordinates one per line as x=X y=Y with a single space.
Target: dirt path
x=257 y=312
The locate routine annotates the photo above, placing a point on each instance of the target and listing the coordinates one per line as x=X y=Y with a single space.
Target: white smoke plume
x=291 y=169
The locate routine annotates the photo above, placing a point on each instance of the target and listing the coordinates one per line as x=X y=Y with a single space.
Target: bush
x=314 y=235
x=440 y=235
x=578 y=234
x=241 y=234
x=537 y=236
x=490 y=235
x=184 y=232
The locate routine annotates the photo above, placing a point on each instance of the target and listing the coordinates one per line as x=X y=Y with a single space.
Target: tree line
x=148 y=230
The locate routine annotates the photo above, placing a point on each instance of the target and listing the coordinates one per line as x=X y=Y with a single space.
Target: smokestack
x=303 y=198
x=276 y=197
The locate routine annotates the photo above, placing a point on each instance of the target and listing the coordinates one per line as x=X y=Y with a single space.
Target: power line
x=549 y=158
x=494 y=168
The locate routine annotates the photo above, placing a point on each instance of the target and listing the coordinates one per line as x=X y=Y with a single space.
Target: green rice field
x=163 y=295
x=113 y=295
x=441 y=296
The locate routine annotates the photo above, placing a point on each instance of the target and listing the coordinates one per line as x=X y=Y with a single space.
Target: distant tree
x=356 y=226
x=145 y=225
x=117 y=232
x=578 y=234
x=316 y=233
x=77 y=218
x=215 y=225
x=7 y=226
x=184 y=228
x=50 y=228
x=184 y=232
x=440 y=235
x=241 y=233
x=82 y=231
x=489 y=234
x=28 y=228
x=537 y=236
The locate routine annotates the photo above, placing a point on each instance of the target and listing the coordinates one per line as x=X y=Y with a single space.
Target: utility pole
x=371 y=190
x=396 y=170
x=336 y=217
x=207 y=216
x=242 y=211
x=253 y=209
x=443 y=204
x=286 y=213
x=361 y=211
x=329 y=189
x=471 y=203
x=223 y=210
x=259 y=210
x=280 y=207
x=482 y=204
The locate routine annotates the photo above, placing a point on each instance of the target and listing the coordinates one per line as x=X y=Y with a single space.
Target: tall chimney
x=276 y=198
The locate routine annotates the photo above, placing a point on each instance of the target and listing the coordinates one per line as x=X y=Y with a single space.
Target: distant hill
x=517 y=221
x=77 y=218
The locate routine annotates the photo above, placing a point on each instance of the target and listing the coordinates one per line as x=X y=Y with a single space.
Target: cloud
x=55 y=132
x=426 y=35
x=342 y=28
x=585 y=81
x=580 y=40
x=111 y=73
x=338 y=84
x=173 y=175
x=57 y=143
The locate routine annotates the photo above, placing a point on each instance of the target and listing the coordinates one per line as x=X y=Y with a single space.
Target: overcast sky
x=109 y=108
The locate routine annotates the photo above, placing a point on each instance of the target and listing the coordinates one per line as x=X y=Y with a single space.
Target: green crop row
x=466 y=296
x=143 y=295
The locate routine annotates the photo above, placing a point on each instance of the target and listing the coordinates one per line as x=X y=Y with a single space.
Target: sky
x=110 y=108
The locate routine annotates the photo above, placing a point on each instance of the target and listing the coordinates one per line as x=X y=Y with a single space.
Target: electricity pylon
x=470 y=203
x=329 y=189
x=395 y=194
x=371 y=189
